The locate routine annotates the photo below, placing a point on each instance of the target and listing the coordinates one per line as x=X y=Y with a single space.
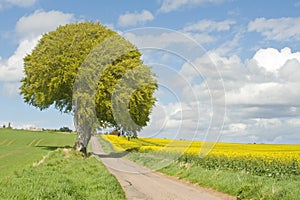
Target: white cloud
x=163 y=39
x=41 y=22
x=269 y=78
x=262 y=104
x=11 y=70
x=193 y=110
x=272 y=60
x=290 y=71
x=133 y=19
x=294 y=122
x=261 y=101
x=177 y=120
x=209 y=31
x=30 y=28
x=149 y=37
x=21 y=3
x=280 y=29
x=237 y=127
x=172 y=5
x=263 y=94
x=210 y=26
x=267 y=123
x=201 y=38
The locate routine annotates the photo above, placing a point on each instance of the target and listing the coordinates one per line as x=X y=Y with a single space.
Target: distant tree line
x=62 y=129
x=65 y=129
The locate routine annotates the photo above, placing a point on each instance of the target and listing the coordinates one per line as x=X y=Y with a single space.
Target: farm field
x=248 y=171
x=19 y=148
x=233 y=150
x=41 y=165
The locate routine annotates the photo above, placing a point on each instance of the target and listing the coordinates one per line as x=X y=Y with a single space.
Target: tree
x=95 y=74
x=9 y=126
x=65 y=129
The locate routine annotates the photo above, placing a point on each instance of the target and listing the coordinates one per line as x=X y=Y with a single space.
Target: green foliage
x=92 y=60
x=51 y=68
x=64 y=174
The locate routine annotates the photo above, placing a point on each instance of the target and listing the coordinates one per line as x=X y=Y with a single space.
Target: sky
x=227 y=70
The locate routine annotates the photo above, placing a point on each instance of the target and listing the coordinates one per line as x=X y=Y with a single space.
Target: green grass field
x=20 y=148
x=41 y=165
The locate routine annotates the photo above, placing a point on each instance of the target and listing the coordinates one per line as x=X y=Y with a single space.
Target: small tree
x=95 y=74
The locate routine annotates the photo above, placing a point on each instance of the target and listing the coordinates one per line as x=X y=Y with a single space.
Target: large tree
x=95 y=74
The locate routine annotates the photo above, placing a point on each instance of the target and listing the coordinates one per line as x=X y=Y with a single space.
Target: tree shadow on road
x=119 y=154
x=112 y=154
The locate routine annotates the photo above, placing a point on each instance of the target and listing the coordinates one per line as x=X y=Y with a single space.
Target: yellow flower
x=267 y=152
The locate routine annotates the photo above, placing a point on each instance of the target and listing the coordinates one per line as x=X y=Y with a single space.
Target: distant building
x=114 y=132
x=32 y=128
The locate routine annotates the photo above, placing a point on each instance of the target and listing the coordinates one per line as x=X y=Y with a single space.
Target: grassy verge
x=236 y=183
x=239 y=184
x=62 y=174
x=41 y=165
x=106 y=146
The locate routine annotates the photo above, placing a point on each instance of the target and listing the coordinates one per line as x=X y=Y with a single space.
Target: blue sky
x=251 y=47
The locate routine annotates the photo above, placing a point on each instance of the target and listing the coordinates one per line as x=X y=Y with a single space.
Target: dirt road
x=141 y=183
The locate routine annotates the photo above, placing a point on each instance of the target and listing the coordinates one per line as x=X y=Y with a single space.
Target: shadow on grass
x=52 y=148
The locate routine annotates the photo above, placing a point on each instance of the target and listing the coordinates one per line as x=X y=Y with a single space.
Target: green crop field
x=20 y=148
x=41 y=165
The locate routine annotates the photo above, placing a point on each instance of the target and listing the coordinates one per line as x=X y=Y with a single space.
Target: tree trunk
x=82 y=142
x=84 y=122
x=135 y=134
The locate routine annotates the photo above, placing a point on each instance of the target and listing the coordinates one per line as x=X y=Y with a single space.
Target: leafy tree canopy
x=98 y=64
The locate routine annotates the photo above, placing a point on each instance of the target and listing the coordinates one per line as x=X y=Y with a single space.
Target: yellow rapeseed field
x=230 y=150
x=245 y=162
